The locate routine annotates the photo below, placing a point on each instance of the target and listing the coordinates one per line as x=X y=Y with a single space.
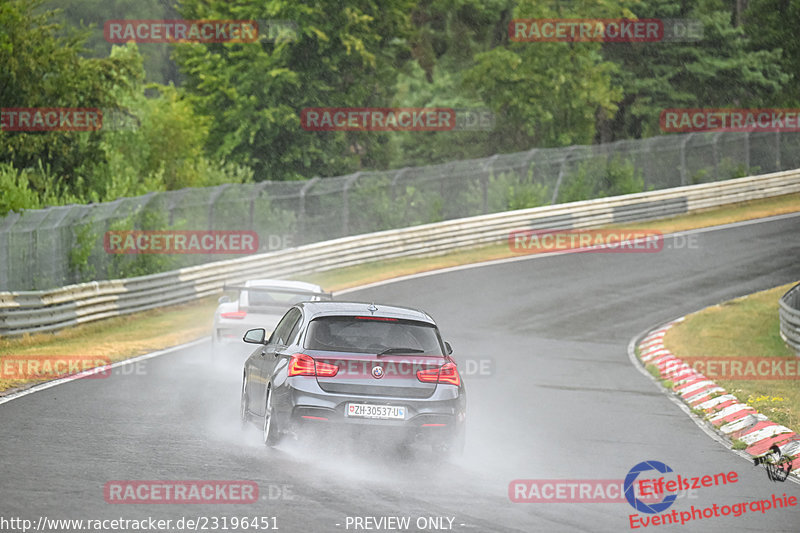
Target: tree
x=341 y=57
x=161 y=147
x=723 y=69
x=43 y=68
x=770 y=25
x=547 y=93
x=158 y=66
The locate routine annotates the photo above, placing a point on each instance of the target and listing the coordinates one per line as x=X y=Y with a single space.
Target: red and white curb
x=722 y=411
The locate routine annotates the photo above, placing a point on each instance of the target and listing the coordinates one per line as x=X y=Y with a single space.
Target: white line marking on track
x=61 y=381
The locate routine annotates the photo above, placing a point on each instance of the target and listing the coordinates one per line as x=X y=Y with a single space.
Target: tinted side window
x=285 y=326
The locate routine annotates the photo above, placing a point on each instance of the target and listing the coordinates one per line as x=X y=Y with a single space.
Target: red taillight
x=234 y=314
x=447 y=373
x=428 y=376
x=326 y=370
x=304 y=365
x=376 y=318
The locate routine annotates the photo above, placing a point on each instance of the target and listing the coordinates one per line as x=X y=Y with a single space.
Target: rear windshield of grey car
x=373 y=335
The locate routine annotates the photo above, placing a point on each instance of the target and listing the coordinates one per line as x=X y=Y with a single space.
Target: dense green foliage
x=194 y=115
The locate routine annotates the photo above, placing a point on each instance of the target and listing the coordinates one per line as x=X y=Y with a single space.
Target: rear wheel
x=270 y=430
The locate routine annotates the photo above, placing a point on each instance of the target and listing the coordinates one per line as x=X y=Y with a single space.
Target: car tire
x=269 y=430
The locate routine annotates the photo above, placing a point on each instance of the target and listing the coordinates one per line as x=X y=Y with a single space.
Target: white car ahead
x=261 y=304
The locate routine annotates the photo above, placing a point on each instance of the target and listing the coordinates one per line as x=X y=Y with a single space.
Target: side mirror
x=448 y=347
x=224 y=299
x=255 y=336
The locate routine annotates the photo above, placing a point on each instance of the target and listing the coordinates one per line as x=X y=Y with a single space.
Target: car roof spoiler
x=301 y=292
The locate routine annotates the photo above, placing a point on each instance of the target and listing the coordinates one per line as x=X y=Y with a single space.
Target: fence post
x=777 y=150
x=257 y=190
x=684 y=170
x=747 y=152
x=212 y=203
x=303 y=193
x=346 y=203
x=6 y=223
x=564 y=160
x=485 y=183
x=395 y=179
x=715 y=154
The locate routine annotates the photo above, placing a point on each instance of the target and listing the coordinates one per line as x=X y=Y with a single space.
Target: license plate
x=382 y=412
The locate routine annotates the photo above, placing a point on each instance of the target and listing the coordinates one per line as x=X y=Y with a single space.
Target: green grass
x=744 y=327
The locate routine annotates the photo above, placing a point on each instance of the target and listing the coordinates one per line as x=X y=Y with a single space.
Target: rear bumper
x=302 y=405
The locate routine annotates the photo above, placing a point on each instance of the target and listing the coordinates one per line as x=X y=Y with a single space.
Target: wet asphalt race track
x=562 y=401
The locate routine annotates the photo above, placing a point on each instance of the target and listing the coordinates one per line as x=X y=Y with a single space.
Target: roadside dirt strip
x=729 y=418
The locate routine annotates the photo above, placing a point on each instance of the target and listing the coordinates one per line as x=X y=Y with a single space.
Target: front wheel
x=270 y=432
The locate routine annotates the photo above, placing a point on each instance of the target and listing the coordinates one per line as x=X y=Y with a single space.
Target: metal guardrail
x=789 y=312
x=50 y=310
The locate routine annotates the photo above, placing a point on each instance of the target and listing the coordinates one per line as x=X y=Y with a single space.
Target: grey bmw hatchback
x=355 y=366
